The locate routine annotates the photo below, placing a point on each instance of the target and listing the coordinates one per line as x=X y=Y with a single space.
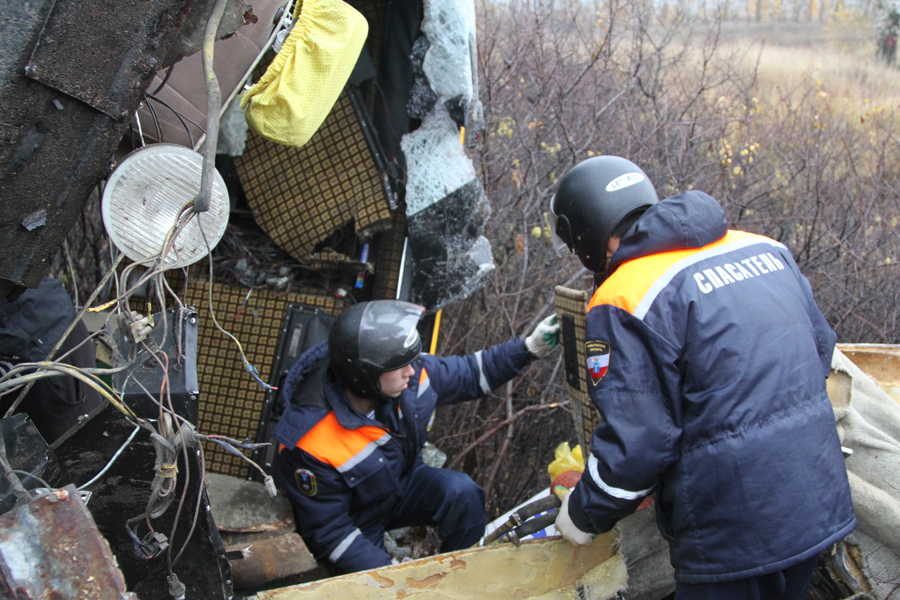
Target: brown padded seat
x=185 y=91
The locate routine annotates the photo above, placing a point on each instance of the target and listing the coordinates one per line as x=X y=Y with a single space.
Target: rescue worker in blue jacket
x=358 y=418
x=707 y=358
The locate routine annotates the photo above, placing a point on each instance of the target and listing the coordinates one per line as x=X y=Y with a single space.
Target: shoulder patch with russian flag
x=597 y=359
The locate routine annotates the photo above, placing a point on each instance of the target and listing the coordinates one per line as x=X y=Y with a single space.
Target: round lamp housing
x=144 y=196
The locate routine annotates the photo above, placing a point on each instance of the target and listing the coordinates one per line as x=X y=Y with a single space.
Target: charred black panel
x=303 y=327
x=105 y=52
x=180 y=345
x=71 y=73
x=27 y=452
x=122 y=493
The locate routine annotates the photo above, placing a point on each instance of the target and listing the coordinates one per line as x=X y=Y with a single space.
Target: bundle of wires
x=171 y=435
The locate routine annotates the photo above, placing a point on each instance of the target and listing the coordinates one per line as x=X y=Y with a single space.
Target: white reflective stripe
x=362 y=454
x=681 y=265
x=342 y=547
x=425 y=385
x=614 y=492
x=482 y=380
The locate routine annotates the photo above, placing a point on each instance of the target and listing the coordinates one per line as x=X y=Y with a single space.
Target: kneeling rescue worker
x=707 y=358
x=356 y=424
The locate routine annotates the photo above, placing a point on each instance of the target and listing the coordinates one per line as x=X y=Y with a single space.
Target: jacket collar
x=690 y=220
x=346 y=413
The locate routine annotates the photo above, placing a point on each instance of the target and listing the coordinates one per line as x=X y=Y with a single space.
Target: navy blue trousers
x=447 y=499
x=788 y=584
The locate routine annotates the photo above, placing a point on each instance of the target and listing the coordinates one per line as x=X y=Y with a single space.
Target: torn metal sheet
x=550 y=569
x=270 y=559
x=876 y=565
x=55 y=147
x=50 y=548
x=881 y=362
x=65 y=57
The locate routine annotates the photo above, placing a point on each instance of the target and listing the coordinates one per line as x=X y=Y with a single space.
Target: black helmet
x=592 y=199
x=371 y=338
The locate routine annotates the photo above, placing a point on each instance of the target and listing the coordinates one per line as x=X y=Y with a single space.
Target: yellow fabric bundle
x=566 y=460
x=288 y=104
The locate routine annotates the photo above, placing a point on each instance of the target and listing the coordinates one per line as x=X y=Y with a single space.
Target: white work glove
x=544 y=338
x=567 y=528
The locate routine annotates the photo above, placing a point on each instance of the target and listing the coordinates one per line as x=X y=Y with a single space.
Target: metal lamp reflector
x=144 y=196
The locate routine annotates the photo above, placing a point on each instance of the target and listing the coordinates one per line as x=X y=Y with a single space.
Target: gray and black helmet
x=371 y=338
x=592 y=199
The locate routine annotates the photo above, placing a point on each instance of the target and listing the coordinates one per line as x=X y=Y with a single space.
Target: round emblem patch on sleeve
x=306 y=482
x=597 y=359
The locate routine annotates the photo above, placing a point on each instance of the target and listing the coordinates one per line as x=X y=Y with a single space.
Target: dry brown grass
x=843 y=77
x=837 y=56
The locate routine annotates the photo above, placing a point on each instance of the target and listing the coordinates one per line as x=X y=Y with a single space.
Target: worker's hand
x=544 y=338
x=567 y=528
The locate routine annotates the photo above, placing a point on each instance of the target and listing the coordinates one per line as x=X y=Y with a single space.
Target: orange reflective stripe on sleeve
x=635 y=283
x=424 y=383
x=341 y=448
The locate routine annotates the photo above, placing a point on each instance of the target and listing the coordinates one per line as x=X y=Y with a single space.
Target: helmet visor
x=388 y=334
x=560 y=246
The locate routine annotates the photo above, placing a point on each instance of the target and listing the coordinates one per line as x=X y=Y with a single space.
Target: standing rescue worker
x=356 y=424
x=707 y=358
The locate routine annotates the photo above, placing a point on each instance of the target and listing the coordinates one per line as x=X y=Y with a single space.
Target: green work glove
x=544 y=338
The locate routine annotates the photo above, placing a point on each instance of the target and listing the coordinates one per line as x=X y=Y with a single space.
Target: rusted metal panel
x=269 y=560
x=50 y=548
x=881 y=362
x=80 y=50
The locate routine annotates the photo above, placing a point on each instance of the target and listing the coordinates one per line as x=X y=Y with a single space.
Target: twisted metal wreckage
x=110 y=102
x=380 y=202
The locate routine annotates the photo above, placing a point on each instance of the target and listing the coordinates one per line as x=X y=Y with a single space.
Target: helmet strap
x=564 y=231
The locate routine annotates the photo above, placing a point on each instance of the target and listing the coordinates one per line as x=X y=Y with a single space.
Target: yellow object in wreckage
x=290 y=101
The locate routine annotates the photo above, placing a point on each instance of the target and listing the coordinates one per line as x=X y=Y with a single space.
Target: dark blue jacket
x=707 y=358
x=343 y=472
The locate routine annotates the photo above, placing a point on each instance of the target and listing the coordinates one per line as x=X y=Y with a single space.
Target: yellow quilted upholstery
x=302 y=83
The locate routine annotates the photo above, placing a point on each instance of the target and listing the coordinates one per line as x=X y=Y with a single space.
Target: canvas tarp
x=868 y=420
